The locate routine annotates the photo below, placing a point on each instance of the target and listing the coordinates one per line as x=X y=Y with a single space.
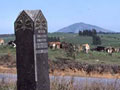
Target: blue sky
x=61 y=13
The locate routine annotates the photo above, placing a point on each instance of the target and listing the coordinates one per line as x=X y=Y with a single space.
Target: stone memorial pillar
x=32 y=51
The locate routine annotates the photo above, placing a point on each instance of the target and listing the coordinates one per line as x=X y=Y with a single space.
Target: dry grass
x=62 y=84
x=6 y=86
x=4 y=69
x=69 y=72
x=71 y=84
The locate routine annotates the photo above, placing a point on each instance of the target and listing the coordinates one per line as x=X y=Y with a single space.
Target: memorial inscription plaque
x=32 y=51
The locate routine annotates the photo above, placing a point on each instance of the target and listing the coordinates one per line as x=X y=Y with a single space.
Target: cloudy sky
x=61 y=13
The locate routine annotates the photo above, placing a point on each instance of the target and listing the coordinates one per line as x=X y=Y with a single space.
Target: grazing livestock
x=2 y=42
x=79 y=48
x=54 y=45
x=64 y=45
x=111 y=50
x=86 y=48
x=58 y=45
x=98 y=48
x=117 y=50
x=51 y=45
x=12 y=43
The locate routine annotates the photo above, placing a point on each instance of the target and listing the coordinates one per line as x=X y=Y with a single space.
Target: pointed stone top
x=32 y=13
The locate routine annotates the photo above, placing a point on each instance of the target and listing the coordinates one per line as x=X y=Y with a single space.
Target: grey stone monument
x=32 y=51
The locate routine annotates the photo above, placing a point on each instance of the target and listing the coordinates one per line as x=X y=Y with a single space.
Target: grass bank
x=93 y=64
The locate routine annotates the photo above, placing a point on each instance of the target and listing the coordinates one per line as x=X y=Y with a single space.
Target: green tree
x=94 y=32
x=96 y=40
x=80 y=33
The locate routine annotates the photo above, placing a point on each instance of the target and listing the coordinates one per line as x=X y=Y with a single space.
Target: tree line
x=93 y=33
x=53 y=39
x=88 y=32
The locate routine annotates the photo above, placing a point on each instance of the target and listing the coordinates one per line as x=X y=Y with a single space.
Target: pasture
x=112 y=40
x=92 y=57
x=107 y=39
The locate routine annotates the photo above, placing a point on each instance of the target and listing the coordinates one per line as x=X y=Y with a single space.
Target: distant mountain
x=75 y=28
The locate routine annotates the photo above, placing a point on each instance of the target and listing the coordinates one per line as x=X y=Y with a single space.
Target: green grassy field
x=72 y=38
x=93 y=57
x=107 y=39
x=110 y=40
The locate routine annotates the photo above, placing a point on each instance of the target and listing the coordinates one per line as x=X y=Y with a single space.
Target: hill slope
x=75 y=28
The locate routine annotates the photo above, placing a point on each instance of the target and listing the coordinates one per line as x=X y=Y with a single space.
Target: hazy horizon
x=59 y=14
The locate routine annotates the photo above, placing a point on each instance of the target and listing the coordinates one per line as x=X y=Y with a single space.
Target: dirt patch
x=4 y=69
